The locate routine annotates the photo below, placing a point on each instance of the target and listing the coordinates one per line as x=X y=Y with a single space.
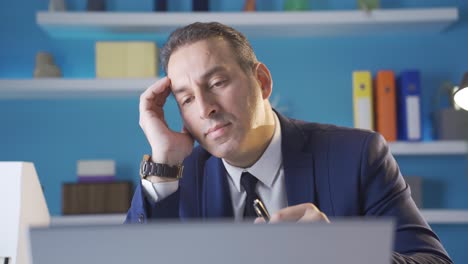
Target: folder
x=409 y=106
x=385 y=105
x=362 y=100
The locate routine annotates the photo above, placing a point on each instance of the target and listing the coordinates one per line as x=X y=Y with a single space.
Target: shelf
x=57 y=87
x=255 y=24
x=432 y=216
x=98 y=219
x=445 y=216
x=448 y=147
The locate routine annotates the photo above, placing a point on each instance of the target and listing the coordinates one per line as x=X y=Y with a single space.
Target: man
x=301 y=171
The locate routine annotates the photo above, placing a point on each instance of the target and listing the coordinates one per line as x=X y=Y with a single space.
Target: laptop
x=353 y=241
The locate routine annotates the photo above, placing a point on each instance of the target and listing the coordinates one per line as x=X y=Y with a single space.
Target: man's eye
x=187 y=101
x=218 y=84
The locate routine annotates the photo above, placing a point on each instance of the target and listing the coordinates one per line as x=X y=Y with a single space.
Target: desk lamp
x=460 y=96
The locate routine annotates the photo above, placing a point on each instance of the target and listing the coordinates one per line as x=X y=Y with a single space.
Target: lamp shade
x=461 y=95
x=23 y=205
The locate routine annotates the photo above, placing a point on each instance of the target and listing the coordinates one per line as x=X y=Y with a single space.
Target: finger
x=292 y=213
x=259 y=220
x=313 y=216
x=155 y=95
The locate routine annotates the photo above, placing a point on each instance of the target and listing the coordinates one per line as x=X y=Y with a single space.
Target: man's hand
x=306 y=212
x=167 y=146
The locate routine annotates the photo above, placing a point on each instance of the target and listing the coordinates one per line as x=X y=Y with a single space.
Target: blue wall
x=54 y=134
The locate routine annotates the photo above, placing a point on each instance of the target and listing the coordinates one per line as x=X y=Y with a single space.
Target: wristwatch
x=149 y=168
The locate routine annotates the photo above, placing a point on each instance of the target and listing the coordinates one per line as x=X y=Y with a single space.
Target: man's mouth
x=216 y=130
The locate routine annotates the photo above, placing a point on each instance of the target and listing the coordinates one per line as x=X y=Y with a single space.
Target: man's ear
x=263 y=76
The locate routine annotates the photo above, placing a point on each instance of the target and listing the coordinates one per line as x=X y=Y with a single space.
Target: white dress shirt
x=268 y=170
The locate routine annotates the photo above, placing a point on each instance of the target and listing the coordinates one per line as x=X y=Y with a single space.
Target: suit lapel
x=298 y=164
x=216 y=194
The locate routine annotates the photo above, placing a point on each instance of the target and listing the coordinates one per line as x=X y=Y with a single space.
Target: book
x=95 y=170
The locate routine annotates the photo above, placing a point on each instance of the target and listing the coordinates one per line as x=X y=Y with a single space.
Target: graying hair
x=202 y=31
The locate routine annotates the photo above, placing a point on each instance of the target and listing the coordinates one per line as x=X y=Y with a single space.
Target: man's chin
x=221 y=151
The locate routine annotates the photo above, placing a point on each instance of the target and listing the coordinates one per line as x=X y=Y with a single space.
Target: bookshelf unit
x=115 y=25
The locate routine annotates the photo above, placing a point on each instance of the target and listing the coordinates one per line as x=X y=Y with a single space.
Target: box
x=96 y=198
x=451 y=124
x=95 y=170
x=135 y=59
x=415 y=183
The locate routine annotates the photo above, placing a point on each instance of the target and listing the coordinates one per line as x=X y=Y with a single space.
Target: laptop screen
x=343 y=241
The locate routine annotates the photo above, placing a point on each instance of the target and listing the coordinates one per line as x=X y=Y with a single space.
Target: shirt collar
x=266 y=168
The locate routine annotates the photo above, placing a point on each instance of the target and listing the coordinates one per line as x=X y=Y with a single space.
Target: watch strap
x=150 y=168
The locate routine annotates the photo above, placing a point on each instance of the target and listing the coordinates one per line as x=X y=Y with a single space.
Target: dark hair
x=202 y=31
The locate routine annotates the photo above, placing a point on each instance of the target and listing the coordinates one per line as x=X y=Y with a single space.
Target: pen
x=261 y=210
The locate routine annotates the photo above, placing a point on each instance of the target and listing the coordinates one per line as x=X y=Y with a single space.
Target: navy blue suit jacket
x=343 y=171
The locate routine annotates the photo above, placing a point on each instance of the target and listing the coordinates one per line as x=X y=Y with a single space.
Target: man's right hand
x=168 y=146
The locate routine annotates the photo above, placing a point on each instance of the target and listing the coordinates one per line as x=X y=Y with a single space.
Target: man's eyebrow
x=205 y=76
x=176 y=91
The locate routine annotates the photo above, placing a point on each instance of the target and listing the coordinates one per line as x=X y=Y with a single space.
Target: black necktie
x=248 y=181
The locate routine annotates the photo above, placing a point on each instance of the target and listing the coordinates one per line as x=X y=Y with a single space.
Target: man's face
x=221 y=105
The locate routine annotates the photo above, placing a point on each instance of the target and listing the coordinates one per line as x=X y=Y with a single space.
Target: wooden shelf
x=57 y=87
x=257 y=24
x=433 y=216
x=449 y=147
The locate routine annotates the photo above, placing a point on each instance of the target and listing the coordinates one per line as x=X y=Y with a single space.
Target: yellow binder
x=362 y=100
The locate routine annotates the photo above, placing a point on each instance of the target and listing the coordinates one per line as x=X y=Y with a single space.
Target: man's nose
x=207 y=106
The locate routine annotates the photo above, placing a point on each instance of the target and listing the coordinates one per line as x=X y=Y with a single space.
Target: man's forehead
x=198 y=61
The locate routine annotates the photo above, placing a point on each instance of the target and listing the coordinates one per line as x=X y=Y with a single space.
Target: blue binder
x=409 y=106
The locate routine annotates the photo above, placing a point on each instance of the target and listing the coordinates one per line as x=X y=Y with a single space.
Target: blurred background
x=312 y=81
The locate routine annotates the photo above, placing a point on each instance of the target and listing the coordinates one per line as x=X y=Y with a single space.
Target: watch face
x=144 y=168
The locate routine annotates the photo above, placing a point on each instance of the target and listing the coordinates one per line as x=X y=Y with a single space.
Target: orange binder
x=385 y=105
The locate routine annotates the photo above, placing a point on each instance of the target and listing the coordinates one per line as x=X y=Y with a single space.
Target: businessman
x=301 y=171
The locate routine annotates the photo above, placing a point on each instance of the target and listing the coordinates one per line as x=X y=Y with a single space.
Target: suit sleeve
x=143 y=209
x=385 y=193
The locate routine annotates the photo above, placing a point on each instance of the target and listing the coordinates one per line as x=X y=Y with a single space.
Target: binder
x=385 y=105
x=409 y=106
x=362 y=100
